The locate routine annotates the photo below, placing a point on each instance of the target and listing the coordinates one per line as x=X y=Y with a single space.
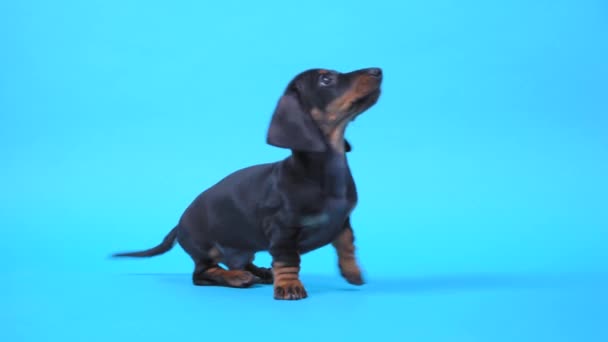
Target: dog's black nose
x=376 y=72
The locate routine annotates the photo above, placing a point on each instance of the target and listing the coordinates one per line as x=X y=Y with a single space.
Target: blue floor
x=164 y=306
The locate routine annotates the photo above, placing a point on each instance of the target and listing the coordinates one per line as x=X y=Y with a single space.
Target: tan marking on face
x=333 y=120
x=317 y=115
x=333 y=133
x=336 y=138
x=361 y=87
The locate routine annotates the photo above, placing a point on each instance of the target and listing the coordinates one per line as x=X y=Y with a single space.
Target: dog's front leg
x=286 y=265
x=347 y=261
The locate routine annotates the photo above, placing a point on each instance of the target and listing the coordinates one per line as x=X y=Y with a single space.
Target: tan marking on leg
x=287 y=284
x=234 y=278
x=347 y=260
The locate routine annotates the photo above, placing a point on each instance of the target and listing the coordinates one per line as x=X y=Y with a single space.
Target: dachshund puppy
x=289 y=207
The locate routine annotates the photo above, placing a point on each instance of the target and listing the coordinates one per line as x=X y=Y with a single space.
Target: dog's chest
x=322 y=227
x=335 y=179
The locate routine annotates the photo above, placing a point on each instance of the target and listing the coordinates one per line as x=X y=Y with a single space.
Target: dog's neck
x=335 y=138
x=332 y=128
x=330 y=167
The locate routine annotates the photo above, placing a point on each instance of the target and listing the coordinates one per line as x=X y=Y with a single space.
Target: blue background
x=482 y=170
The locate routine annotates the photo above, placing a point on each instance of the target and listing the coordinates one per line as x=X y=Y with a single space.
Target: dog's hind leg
x=216 y=275
x=208 y=272
x=206 y=257
x=237 y=259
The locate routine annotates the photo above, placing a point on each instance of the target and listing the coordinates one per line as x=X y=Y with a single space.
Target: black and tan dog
x=290 y=207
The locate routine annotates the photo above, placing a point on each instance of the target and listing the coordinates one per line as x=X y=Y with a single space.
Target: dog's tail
x=164 y=247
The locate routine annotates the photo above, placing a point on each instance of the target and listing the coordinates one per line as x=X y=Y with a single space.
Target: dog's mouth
x=363 y=103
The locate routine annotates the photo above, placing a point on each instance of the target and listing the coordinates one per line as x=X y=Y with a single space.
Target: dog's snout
x=376 y=72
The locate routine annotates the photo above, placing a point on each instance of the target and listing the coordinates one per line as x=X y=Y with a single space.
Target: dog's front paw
x=352 y=273
x=289 y=290
x=354 y=278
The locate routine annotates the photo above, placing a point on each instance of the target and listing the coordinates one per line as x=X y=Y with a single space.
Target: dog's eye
x=325 y=79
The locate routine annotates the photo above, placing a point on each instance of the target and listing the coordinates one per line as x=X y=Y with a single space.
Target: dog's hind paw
x=221 y=277
x=241 y=278
x=264 y=274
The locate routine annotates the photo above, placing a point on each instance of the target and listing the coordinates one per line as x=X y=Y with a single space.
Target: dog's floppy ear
x=292 y=127
x=347 y=147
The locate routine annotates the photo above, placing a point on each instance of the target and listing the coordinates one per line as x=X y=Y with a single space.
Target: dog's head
x=314 y=110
